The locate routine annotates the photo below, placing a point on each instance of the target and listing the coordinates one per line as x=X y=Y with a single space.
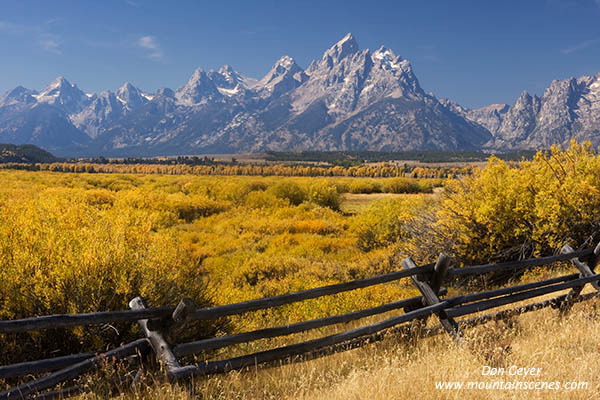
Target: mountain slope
x=568 y=109
x=348 y=99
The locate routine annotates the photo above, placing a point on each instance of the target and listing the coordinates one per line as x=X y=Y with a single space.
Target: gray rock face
x=131 y=97
x=567 y=110
x=64 y=95
x=104 y=109
x=200 y=89
x=284 y=77
x=349 y=99
x=18 y=95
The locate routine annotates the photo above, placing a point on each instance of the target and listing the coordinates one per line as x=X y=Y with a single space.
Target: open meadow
x=84 y=242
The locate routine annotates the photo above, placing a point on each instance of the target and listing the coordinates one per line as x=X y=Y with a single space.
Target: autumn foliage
x=82 y=242
x=507 y=211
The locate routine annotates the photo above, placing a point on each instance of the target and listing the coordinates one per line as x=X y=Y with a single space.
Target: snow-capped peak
x=286 y=62
x=227 y=70
x=231 y=76
x=56 y=86
x=388 y=60
x=63 y=93
x=230 y=82
x=198 y=89
x=130 y=96
x=284 y=76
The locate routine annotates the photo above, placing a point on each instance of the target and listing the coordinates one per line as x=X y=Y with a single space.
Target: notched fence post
x=430 y=291
x=585 y=270
x=160 y=346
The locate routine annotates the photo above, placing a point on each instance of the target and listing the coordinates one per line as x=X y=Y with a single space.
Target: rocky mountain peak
x=130 y=96
x=127 y=87
x=165 y=92
x=345 y=47
x=524 y=98
x=200 y=88
x=348 y=99
x=284 y=65
x=284 y=76
x=58 y=82
x=285 y=62
x=227 y=70
x=391 y=65
x=18 y=95
x=63 y=94
x=226 y=79
x=198 y=75
x=57 y=86
x=231 y=76
x=386 y=59
x=347 y=79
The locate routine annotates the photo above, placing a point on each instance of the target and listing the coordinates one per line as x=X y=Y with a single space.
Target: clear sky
x=476 y=52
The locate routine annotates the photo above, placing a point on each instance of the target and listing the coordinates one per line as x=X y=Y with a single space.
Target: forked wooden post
x=160 y=346
x=585 y=270
x=430 y=291
x=181 y=317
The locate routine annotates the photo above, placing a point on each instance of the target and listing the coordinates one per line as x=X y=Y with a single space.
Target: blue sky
x=475 y=52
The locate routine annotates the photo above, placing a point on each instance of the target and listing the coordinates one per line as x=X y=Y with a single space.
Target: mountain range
x=349 y=99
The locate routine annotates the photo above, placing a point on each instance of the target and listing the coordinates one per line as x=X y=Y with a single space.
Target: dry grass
x=566 y=349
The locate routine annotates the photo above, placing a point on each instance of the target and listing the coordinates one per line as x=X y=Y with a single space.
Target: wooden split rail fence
x=161 y=326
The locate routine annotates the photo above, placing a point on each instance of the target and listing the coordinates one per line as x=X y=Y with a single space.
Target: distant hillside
x=26 y=153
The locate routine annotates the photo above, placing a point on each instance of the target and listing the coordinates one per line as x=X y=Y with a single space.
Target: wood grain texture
x=159 y=344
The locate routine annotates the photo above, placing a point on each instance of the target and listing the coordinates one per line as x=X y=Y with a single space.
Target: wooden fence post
x=181 y=317
x=585 y=270
x=440 y=270
x=160 y=346
x=430 y=296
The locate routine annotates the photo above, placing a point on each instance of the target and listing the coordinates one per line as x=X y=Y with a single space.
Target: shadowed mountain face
x=348 y=99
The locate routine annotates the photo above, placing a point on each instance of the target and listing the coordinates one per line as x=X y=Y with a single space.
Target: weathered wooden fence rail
x=161 y=326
